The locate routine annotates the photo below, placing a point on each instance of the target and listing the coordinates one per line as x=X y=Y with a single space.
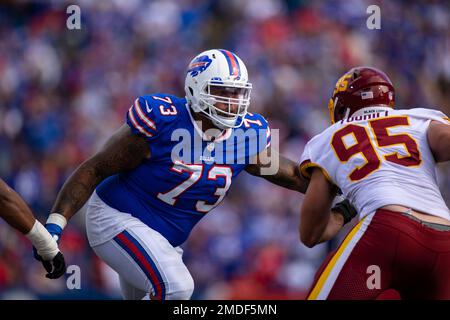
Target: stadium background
x=63 y=92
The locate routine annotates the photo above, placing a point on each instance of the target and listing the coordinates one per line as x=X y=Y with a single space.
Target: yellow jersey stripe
x=324 y=276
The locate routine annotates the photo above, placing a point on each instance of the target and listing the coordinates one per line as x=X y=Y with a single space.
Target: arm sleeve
x=142 y=119
x=429 y=114
x=259 y=123
x=309 y=161
x=268 y=136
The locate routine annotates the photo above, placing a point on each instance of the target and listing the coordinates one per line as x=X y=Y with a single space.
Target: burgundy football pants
x=387 y=251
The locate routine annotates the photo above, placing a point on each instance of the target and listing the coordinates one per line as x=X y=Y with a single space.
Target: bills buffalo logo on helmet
x=199 y=65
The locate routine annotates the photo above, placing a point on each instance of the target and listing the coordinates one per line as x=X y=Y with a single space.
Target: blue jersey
x=187 y=174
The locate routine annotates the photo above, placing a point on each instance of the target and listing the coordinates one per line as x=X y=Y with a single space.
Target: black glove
x=346 y=209
x=55 y=267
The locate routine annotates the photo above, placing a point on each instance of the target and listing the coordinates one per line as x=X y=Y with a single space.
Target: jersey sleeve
x=268 y=136
x=305 y=162
x=444 y=118
x=315 y=155
x=142 y=119
x=259 y=123
x=429 y=114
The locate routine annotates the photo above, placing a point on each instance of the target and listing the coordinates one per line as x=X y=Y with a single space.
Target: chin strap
x=347 y=114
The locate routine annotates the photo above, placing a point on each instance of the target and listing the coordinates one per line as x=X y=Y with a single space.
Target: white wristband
x=57 y=219
x=41 y=239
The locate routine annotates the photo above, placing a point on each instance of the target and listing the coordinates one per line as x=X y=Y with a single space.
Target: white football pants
x=145 y=261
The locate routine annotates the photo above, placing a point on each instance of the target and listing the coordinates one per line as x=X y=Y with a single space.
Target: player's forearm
x=321 y=231
x=333 y=227
x=317 y=222
x=77 y=190
x=288 y=175
x=14 y=210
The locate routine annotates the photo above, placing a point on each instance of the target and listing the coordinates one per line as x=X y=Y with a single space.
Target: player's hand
x=45 y=248
x=55 y=231
x=55 y=267
x=346 y=209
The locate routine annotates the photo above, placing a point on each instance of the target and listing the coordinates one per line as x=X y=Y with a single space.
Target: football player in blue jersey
x=147 y=189
x=19 y=216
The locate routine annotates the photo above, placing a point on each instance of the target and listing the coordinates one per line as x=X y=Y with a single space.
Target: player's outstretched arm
x=439 y=140
x=123 y=151
x=18 y=215
x=320 y=222
x=14 y=210
x=288 y=174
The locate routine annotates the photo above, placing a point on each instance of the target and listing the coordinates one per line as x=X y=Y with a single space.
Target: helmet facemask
x=235 y=96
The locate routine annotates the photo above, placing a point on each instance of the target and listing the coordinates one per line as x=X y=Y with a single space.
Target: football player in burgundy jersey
x=384 y=162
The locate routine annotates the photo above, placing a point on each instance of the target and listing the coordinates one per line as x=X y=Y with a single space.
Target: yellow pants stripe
x=324 y=276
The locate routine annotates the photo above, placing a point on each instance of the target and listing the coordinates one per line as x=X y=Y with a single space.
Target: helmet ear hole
x=191 y=90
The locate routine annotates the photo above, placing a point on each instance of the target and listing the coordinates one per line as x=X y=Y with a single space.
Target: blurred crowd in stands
x=64 y=92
